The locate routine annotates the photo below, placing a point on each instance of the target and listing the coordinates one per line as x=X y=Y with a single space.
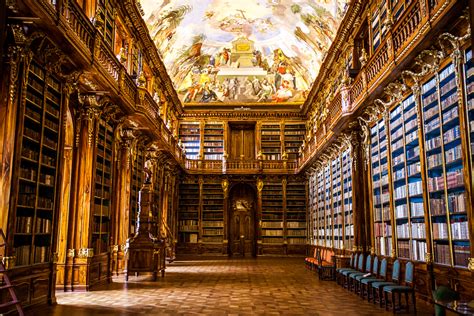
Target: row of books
x=24 y=225
x=454 y=179
x=212 y=223
x=188 y=225
x=382 y=214
x=296 y=241
x=22 y=254
x=213 y=231
x=212 y=239
x=417 y=230
x=188 y=238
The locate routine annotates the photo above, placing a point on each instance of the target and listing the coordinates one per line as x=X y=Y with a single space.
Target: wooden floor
x=222 y=286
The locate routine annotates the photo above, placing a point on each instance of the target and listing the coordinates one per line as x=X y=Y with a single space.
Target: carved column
x=65 y=187
x=225 y=190
x=260 y=185
x=79 y=251
x=121 y=223
x=9 y=91
x=360 y=191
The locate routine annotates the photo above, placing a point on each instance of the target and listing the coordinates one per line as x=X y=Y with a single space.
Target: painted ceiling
x=243 y=51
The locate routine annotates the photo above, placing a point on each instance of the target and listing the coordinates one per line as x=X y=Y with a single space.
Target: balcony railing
x=241 y=166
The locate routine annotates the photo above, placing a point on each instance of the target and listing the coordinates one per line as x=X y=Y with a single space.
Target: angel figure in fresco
x=283 y=93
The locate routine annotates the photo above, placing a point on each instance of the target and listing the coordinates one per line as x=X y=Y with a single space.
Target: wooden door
x=242 y=220
x=242 y=141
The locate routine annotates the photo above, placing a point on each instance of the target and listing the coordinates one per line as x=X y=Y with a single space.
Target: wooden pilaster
x=121 y=223
x=360 y=193
x=79 y=250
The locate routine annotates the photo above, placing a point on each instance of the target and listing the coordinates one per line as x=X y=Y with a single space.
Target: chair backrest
x=396 y=271
x=409 y=273
x=318 y=255
x=368 y=263
x=360 y=265
x=383 y=269
x=315 y=253
x=375 y=267
x=354 y=262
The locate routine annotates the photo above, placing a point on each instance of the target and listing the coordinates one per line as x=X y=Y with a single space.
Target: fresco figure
x=266 y=91
x=283 y=93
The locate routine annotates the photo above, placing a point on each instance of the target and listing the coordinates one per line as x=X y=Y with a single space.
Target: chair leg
x=379 y=293
x=393 y=302
x=406 y=300
x=386 y=300
x=413 y=298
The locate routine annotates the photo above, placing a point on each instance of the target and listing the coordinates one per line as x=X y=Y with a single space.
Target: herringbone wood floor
x=222 y=286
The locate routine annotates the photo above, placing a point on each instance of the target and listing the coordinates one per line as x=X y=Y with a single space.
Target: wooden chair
x=368 y=269
x=352 y=266
x=326 y=265
x=345 y=274
x=312 y=262
x=366 y=283
x=358 y=278
x=377 y=287
x=406 y=289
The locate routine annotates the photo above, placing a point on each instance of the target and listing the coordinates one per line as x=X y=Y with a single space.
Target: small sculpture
x=148 y=172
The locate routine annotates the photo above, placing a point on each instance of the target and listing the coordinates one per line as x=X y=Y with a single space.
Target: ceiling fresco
x=243 y=51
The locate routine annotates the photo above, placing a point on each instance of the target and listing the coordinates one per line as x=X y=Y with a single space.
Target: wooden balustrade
x=406 y=28
x=377 y=63
x=150 y=107
x=335 y=109
x=80 y=24
x=237 y=166
x=358 y=88
x=109 y=62
x=129 y=88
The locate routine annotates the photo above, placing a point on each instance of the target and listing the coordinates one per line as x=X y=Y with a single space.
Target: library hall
x=248 y=157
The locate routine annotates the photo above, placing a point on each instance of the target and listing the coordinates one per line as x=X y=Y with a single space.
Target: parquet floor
x=222 y=286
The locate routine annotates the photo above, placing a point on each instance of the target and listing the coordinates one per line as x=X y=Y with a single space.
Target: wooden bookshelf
x=107 y=15
x=407 y=202
x=213 y=140
x=212 y=222
x=320 y=207
x=313 y=209
x=294 y=134
x=103 y=188
x=331 y=195
x=295 y=216
x=347 y=199
x=469 y=91
x=398 y=7
x=272 y=213
x=135 y=186
x=190 y=136
x=446 y=187
x=35 y=208
x=188 y=212
x=378 y=26
x=271 y=141
x=381 y=190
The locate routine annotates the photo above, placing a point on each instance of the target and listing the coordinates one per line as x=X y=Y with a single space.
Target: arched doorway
x=242 y=210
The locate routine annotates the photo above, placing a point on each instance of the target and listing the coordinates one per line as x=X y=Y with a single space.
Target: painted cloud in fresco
x=243 y=50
